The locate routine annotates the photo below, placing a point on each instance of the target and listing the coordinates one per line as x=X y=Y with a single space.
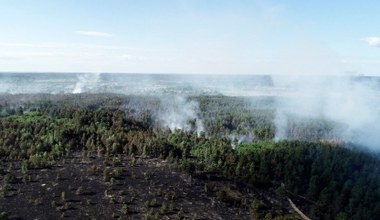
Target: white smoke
x=237 y=139
x=179 y=113
x=86 y=83
x=352 y=102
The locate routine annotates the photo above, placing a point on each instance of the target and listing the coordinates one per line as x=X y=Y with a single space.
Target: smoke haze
x=350 y=102
x=348 y=106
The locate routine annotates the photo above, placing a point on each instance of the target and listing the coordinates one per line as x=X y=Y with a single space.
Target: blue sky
x=191 y=36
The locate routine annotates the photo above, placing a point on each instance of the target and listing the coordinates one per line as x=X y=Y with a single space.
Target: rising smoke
x=177 y=112
x=237 y=139
x=86 y=83
x=350 y=102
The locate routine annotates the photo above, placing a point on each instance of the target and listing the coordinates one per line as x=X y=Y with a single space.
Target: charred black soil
x=127 y=188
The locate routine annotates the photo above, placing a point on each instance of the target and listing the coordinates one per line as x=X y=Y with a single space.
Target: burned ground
x=129 y=188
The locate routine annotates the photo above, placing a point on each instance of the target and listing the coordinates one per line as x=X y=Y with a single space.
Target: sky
x=191 y=36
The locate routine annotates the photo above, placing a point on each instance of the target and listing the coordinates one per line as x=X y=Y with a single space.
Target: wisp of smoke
x=86 y=82
x=241 y=138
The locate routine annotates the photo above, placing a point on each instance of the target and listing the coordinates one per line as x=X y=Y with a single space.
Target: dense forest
x=325 y=178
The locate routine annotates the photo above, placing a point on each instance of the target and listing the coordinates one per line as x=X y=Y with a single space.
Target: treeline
x=332 y=181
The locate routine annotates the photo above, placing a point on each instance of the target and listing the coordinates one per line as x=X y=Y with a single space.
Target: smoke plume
x=86 y=83
x=351 y=103
x=177 y=112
